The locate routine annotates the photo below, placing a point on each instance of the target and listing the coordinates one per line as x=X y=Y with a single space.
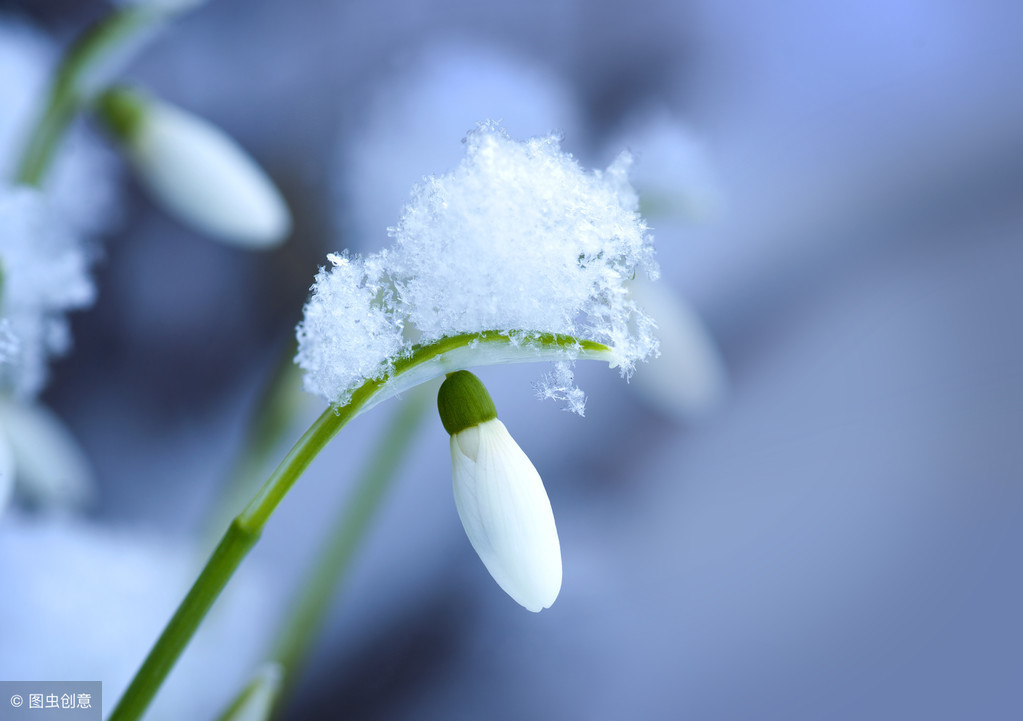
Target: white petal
x=51 y=467
x=203 y=176
x=506 y=514
x=688 y=380
x=6 y=472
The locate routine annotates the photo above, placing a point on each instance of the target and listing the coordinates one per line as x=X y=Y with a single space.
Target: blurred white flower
x=197 y=172
x=45 y=256
x=45 y=250
x=675 y=179
x=81 y=186
x=674 y=174
x=499 y=496
x=688 y=379
x=43 y=456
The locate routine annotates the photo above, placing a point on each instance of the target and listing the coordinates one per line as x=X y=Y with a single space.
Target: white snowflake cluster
x=517 y=239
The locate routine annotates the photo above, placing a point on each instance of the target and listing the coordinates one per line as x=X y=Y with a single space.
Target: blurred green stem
x=246 y=529
x=83 y=71
x=310 y=605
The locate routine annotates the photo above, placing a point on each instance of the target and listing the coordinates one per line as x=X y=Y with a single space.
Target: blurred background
x=832 y=532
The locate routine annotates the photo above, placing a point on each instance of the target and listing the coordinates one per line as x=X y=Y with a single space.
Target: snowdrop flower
x=499 y=496
x=516 y=243
x=688 y=380
x=45 y=256
x=674 y=173
x=45 y=249
x=676 y=183
x=40 y=453
x=81 y=186
x=196 y=171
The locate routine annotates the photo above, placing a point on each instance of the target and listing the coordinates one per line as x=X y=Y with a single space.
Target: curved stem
x=85 y=69
x=278 y=406
x=245 y=530
x=312 y=602
x=241 y=536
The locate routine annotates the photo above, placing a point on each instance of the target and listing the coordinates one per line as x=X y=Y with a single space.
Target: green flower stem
x=279 y=404
x=80 y=75
x=311 y=604
x=245 y=530
x=241 y=536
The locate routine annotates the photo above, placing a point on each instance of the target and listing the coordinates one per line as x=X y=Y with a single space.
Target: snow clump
x=518 y=239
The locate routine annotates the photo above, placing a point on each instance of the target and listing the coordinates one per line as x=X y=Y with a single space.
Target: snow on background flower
x=45 y=276
x=46 y=236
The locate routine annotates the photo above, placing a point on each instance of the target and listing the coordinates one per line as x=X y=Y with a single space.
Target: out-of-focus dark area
x=838 y=537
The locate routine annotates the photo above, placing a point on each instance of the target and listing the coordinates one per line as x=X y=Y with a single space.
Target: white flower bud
x=506 y=513
x=197 y=172
x=500 y=497
x=51 y=468
x=688 y=380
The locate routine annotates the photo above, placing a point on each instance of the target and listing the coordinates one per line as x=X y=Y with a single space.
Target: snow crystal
x=559 y=385
x=348 y=331
x=517 y=239
x=45 y=274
